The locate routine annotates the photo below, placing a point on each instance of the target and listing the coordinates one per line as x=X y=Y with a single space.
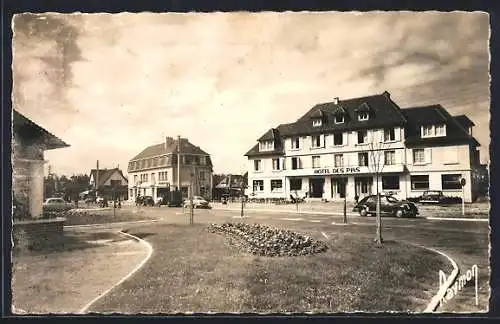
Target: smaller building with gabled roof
x=155 y=171
x=109 y=183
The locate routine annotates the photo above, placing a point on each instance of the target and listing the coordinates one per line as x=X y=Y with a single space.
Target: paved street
x=464 y=241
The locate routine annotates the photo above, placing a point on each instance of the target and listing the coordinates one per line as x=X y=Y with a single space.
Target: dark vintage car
x=389 y=206
x=145 y=201
x=437 y=197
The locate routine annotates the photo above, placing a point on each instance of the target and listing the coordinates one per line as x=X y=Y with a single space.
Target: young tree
x=376 y=165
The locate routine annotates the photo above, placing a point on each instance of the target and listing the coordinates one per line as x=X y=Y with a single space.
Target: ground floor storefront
x=161 y=191
x=356 y=186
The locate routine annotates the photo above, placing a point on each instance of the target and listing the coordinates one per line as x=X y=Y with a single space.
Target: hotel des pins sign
x=332 y=171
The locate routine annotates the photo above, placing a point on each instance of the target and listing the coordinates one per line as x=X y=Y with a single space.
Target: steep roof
x=32 y=132
x=435 y=114
x=385 y=112
x=105 y=174
x=464 y=121
x=169 y=147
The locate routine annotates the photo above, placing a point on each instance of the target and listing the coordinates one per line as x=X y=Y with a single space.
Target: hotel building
x=155 y=171
x=336 y=148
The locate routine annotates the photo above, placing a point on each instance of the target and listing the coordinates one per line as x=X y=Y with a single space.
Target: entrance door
x=363 y=186
x=316 y=186
x=339 y=187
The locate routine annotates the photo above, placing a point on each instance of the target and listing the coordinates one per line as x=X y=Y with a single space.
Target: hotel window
x=131 y=193
x=155 y=162
x=363 y=159
x=339 y=160
x=202 y=160
x=390 y=182
x=196 y=160
x=317 y=122
x=257 y=165
x=202 y=175
x=338 y=139
x=276 y=164
x=142 y=164
x=418 y=156
x=266 y=146
x=316 y=162
x=389 y=134
x=152 y=177
x=295 y=143
x=362 y=136
x=258 y=185
x=363 y=116
x=339 y=119
x=295 y=184
x=419 y=182
x=316 y=141
x=389 y=157
x=433 y=130
x=162 y=176
x=440 y=130
x=135 y=178
x=296 y=163
x=276 y=185
x=451 y=181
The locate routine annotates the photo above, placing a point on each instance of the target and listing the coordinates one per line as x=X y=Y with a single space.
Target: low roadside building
x=29 y=142
x=155 y=171
x=336 y=149
x=109 y=183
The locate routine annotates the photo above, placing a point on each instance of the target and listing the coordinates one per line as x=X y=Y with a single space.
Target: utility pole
x=97 y=179
x=242 y=195
x=345 y=200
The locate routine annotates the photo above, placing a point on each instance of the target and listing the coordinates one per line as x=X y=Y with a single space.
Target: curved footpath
x=74 y=278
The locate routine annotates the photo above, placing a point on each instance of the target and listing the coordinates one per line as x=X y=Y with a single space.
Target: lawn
x=194 y=270
x=84 y=217
x=63 y=277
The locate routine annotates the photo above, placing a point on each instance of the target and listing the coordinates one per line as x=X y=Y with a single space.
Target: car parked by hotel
x=389 y=206
x=437 y=197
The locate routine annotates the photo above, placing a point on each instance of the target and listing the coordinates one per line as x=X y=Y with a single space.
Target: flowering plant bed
x=263 y=240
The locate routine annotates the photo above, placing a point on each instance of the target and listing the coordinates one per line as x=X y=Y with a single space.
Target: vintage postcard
x=296 y=162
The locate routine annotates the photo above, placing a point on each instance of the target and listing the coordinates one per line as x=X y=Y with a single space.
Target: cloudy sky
x=112 y=84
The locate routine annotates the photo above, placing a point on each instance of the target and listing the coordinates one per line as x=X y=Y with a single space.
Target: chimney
x=168 y=142
x=387 y=94
x=336 y=100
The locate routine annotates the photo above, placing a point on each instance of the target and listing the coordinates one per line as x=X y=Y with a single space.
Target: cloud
x=116 y=83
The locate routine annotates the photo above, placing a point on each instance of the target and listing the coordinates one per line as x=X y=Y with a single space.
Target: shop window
x=390 y=182
x=258 y=185
x=451 y=181
x=420 y=182
x=276 y=185
x=295 y=184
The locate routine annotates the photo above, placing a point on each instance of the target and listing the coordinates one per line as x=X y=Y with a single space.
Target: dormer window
x=339 y=119
x=266 y=146
x=363 y=115
x=433 y=130
x=317 y=122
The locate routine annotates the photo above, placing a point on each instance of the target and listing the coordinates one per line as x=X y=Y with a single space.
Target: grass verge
x=63 y=277
x=107 y=216
x=193 y=270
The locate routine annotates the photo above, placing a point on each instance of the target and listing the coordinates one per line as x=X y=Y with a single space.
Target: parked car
x=145 y=201
x=56 y=205
x=198 y=202
x=432 y=196
x=437 y=197
x=389 y=206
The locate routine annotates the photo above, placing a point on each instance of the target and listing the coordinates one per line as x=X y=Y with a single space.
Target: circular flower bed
x=266 y=241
